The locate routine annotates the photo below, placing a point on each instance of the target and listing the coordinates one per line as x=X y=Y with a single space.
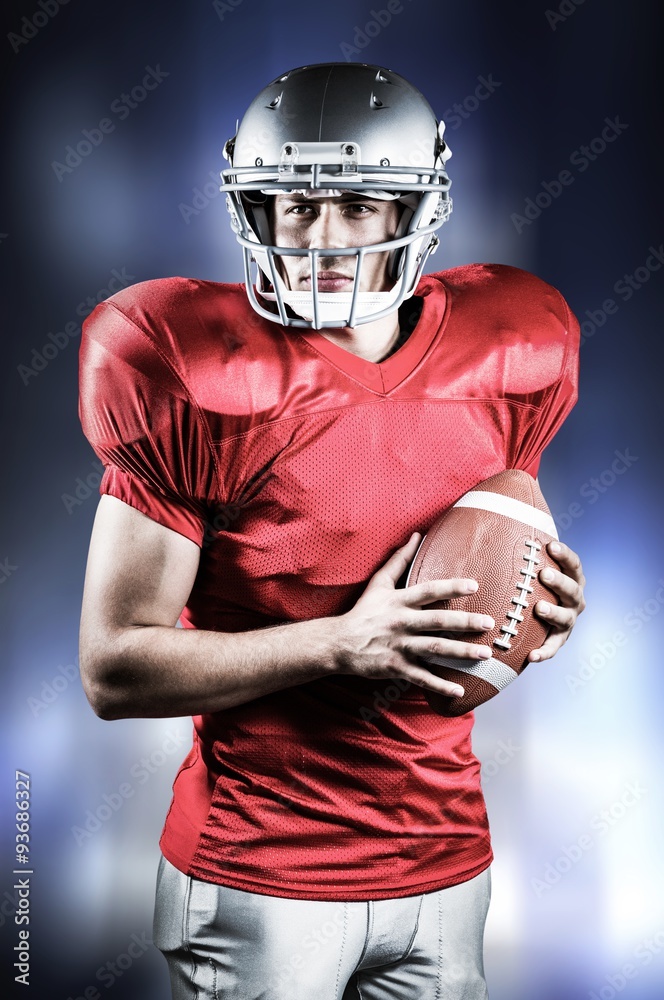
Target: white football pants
x=228 y=944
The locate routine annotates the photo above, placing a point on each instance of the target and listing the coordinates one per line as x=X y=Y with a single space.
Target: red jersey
x=298 y=468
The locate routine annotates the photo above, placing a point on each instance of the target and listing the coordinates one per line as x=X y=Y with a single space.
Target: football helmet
x=322 y=130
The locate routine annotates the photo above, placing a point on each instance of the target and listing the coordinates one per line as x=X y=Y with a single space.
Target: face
x=344 y=221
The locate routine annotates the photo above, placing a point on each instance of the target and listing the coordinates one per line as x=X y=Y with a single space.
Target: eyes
x=352 y=210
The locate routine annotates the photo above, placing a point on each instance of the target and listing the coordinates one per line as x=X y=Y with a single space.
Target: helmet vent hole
x=275 y=102
x=376 y=101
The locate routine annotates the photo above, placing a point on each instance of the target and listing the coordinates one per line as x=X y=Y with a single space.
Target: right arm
x=136 y=663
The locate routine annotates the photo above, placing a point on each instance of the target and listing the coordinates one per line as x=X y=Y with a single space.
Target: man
x=271 y=460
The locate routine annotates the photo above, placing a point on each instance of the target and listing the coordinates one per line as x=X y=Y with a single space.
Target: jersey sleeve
x=557 y=401
x=138 y=416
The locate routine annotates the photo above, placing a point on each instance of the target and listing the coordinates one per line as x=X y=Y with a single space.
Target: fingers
x=437 y=590
x=396 y=565
x=447 y=621
x=550 y=647
x=567 y=584
x=568 y=560
x=431 y=647
x=425 y=679
x=558 y=617
x=567 y=589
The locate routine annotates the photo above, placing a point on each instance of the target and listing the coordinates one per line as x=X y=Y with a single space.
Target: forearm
x=156 y=671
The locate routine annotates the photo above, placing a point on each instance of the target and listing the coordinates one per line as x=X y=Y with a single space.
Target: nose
x=326 y=231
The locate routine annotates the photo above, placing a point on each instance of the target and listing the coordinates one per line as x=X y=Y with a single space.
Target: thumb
x=389 y=572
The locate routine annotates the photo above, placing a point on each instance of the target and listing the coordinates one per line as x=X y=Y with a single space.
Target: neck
x=371 y=341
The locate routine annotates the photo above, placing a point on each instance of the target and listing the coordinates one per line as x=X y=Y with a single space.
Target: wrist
x=329 y=643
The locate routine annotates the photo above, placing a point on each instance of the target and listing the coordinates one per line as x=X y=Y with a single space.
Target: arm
x=136 y=663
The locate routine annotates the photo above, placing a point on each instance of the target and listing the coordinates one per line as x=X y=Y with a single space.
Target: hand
x=385 y=632
x=568 y=586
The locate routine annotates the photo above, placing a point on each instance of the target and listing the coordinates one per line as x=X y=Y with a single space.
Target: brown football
x=495 y=534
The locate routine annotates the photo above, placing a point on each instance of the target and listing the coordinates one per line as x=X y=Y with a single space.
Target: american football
x=496 y=534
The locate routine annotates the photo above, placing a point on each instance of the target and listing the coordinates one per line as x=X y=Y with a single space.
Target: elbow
x=103 y=700
x=100 y=683
x=105 y=707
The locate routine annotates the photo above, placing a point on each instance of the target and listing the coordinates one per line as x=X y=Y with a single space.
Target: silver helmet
x=323 y=130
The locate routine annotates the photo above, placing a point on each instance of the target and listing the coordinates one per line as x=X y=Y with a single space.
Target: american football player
x=272 y=454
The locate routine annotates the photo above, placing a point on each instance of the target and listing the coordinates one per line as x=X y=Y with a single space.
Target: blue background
x=571 y=754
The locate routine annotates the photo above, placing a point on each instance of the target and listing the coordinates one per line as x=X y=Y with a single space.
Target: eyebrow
x=304 y=200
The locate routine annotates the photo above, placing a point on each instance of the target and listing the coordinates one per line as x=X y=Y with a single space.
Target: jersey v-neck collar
x=384 y=376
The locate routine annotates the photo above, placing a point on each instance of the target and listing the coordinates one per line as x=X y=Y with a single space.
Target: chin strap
x=334 y=307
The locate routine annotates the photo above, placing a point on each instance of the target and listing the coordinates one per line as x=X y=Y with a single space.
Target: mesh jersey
x=298 y=468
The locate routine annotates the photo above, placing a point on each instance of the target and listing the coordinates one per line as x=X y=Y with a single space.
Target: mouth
x=329 y=281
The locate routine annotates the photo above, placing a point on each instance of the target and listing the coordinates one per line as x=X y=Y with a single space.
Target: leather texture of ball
x=496 y=534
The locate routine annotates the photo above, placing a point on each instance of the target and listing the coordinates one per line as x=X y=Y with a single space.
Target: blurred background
x=570 y=755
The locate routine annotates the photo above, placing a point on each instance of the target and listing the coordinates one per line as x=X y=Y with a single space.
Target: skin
x=136 y=663
x=302 y=221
